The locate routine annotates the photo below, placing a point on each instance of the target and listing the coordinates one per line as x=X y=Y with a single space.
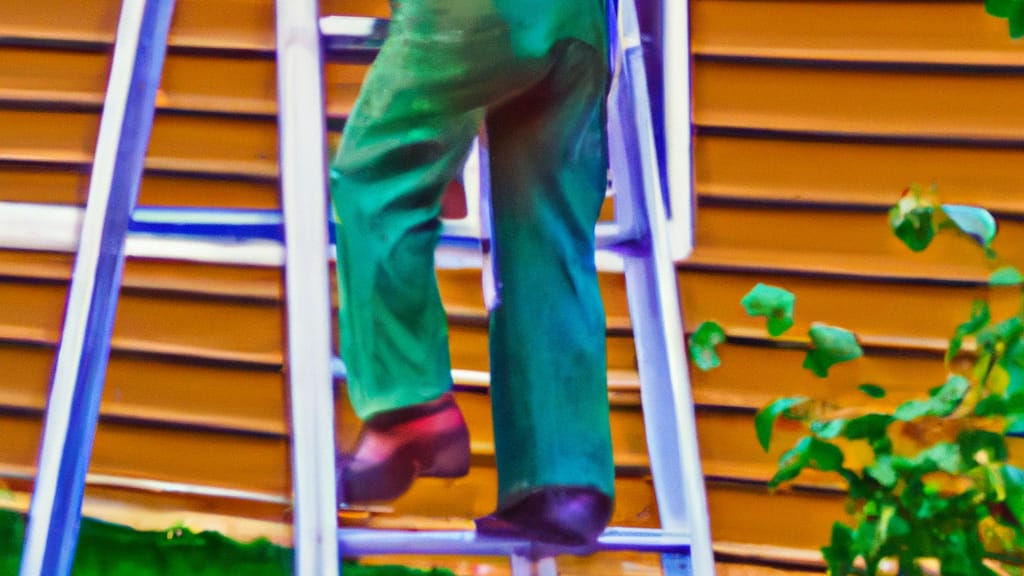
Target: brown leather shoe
x=561 y=516
x=397 y=446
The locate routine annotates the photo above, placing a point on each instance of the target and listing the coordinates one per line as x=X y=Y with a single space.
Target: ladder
x=638 y=238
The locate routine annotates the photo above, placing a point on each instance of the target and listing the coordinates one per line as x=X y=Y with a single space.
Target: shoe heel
x=451 y=458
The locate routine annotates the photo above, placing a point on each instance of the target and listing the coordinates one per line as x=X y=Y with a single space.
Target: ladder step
x=227 y=223
x=33 y=226
x=338 y=369
x=370 y=542
x=260 y=224
x=353 y=37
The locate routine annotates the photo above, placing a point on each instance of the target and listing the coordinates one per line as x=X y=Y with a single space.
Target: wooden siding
x=810 y=117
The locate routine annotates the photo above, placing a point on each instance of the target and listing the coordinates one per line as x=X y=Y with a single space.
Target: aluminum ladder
x=638 y=237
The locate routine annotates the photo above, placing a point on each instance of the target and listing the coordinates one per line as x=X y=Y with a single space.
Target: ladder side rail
x=302 y=126
x=657 y=319
x=73 y=406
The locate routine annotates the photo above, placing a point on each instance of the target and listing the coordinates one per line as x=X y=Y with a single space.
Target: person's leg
x=547 y=338
x=407 y=137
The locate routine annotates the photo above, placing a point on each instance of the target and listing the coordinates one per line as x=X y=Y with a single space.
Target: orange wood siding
x=810 y=117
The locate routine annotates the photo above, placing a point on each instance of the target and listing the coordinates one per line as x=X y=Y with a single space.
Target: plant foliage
x=938 y=484
x=1012 y=10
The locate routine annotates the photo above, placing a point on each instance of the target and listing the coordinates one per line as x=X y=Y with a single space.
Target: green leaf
x=942 y=402
x=839 y=554
x=1013 y=479
x=943 y=456
x=913 y=409
x=764 y=421
x=1015 y=426
x=961 y=553
x=827 y=430
x=971 y=442
x=872 y=390
x=865 y=539
x=883 y=471
x=1013 y=362
x=993 y=405
x=989 y=481
x=831 y=346
x=703 y=343
x=1012 y=10
x=824 y=456
x=977 y=223
x=1001 y=8
x=980 y=316
x=1006 y=276
x=1006 y=332
x=1017 y=25
x=867 y=427
x=890 y=525
x=774 y=303
x=791 y=463
x=809 y=451
x=912 y=218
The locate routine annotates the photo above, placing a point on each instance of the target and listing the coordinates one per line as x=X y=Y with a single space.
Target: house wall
x=810 y=117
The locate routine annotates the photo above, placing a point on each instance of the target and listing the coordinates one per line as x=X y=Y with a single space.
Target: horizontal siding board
x=791 y=519
x=254 y=463
x=159 y=390
x=57 y=184
x=211 y=24
x=228 y=146
x=244 y=331
x=242 y=282
x=886 y=313
x=782 y=230
x=854 y=172
x=937 y=32
x=947 y=104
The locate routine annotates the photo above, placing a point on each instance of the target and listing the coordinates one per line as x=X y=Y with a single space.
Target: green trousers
x=535 y=72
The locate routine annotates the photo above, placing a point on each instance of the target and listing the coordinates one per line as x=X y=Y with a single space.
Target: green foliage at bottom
x=112 y=550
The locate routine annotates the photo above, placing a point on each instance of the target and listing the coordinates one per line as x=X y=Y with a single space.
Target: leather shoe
x=396 y=447
x=560 y=516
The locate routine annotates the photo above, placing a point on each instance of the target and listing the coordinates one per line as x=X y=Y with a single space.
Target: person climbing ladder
x=535 y=73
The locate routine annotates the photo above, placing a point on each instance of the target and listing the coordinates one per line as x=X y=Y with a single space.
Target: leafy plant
x=1012 y=10
x=937 y=484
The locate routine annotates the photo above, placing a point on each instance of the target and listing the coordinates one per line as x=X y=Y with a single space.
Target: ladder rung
x=370 y=542
x=338 y=369
x=614 y=237
x=238 y=224
x=353 y=37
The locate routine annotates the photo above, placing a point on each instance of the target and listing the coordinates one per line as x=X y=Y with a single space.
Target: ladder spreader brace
x=638 y=236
